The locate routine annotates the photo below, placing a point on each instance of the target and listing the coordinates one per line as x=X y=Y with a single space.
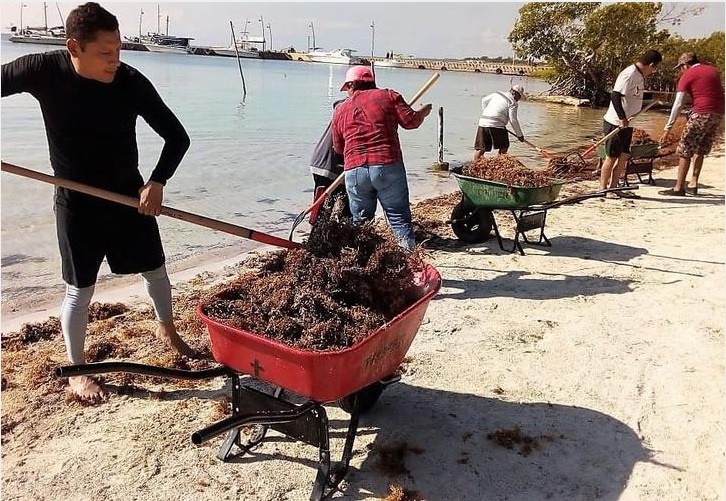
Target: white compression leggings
x=74 y=310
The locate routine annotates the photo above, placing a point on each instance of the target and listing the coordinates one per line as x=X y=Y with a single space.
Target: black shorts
x=129 y=241
x=620 y=142
x=491 y=137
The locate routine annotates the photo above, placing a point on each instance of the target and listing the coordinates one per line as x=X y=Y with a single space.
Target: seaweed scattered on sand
x=509 y=437
x=398 y=493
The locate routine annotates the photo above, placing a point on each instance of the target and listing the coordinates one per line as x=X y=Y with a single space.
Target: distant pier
x=471 y=65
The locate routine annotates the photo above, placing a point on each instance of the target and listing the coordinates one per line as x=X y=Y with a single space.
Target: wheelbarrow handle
x=189 y=217
x=578 y=198
x=615 y=131
x=143 y=369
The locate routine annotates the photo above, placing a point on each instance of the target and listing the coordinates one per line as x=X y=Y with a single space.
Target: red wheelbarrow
x=302 y=382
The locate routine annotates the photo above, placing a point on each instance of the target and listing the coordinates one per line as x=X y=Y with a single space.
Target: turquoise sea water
x=248 y=160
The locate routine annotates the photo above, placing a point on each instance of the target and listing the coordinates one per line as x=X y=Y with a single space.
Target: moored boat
x=40 y=36
x=165 y=43
x=390 y=63
x=244 y=47
x=337 y=56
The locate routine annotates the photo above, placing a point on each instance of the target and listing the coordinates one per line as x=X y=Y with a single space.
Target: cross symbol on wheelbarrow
x=257 y=368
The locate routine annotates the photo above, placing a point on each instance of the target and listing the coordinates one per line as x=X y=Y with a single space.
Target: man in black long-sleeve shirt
x=90 y=102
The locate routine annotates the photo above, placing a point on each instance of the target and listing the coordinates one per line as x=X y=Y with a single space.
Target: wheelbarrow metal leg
x=322 y=478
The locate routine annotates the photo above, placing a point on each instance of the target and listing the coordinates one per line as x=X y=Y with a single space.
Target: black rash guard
x=91 y=126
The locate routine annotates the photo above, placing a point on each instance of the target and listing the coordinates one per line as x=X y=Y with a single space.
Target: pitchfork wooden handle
x=189 y=217
x=615 y=131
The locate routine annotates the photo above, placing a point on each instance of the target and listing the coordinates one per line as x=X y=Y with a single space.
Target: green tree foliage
x=588 y=44
x=709 y=50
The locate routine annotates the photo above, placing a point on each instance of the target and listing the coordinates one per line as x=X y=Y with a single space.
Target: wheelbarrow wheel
x=362 y=400
x=251 y=435
x=471 y=224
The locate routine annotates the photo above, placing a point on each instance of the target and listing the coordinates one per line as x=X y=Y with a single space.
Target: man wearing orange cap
x=702 y=83
x=365 y=132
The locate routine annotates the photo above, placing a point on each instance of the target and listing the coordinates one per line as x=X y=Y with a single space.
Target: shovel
x=330 y=189
x=189 y=217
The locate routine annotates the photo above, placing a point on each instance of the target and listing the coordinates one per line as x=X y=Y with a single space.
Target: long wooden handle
x=430 y=82
x=615 y=131
x=338 y=180
x=541 y=151
x=189 y=217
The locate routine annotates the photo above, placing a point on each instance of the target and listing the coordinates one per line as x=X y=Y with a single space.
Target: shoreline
x=127 y=289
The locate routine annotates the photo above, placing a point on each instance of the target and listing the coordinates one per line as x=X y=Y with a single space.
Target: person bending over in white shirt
x=497 y=110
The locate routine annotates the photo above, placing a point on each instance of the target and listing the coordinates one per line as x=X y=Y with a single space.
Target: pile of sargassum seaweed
x=506 y=169
x=344 y=282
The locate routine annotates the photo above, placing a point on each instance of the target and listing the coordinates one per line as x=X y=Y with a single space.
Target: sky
x=422 y=29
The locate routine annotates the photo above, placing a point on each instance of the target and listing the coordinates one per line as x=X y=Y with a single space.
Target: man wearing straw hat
x=365 y=131
x=702 y=83
x=90 y=102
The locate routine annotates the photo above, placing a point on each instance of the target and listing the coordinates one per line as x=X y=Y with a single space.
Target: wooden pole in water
x=239 y=64
x=440 y=164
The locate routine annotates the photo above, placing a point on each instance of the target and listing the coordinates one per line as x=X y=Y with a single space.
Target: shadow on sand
x=582 y=453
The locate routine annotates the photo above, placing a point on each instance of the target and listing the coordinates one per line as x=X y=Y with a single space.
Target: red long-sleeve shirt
x=365 y=127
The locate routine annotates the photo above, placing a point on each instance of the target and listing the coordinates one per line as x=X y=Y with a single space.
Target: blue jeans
x=386 y=184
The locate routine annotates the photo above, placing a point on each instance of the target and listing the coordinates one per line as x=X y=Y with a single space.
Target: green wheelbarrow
x=472 y=219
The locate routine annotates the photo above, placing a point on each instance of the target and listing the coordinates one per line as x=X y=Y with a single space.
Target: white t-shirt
x=497 y=110
x=630 y=84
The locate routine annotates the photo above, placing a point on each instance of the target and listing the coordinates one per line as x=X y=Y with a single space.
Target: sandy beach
x=605 y=350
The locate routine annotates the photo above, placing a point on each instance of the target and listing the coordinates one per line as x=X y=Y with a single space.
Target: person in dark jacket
x=90 y=102
x=325 y=166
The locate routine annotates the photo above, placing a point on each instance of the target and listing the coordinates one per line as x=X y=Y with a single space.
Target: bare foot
x=87 y=389
x=167 y=334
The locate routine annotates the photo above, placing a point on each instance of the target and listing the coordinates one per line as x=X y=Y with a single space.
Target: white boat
x=165 y=43
x=244 y=47
x=157 y=42
x=47 y=36
x=337 y=56
x=390 y=63
x=55 y=35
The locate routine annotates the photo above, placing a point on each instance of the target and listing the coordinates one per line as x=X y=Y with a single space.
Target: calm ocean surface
x=248 y=161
